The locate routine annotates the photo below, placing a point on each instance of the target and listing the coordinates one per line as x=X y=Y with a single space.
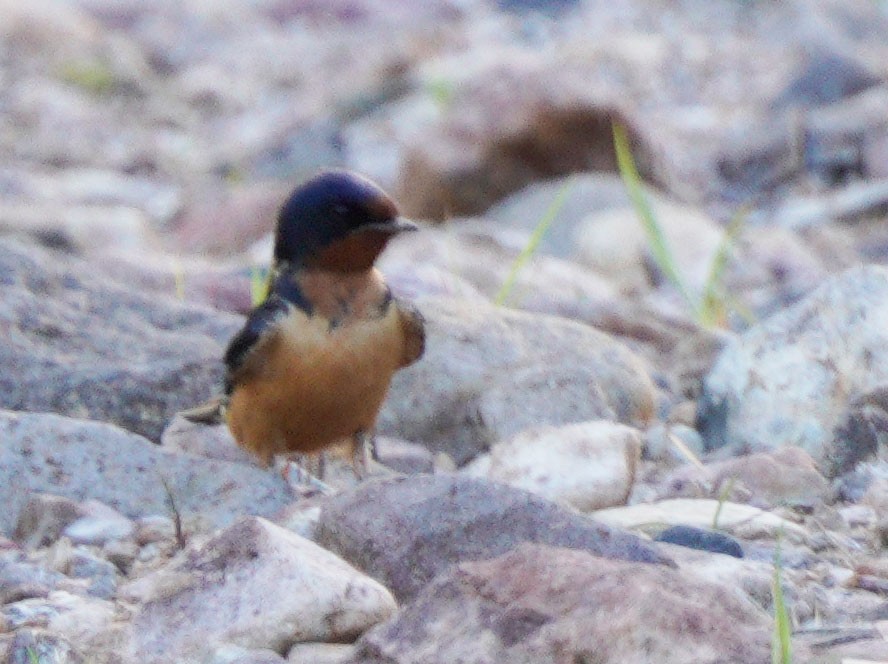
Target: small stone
x=320 y=653
x=43 y=519
x=154 y=528
x=98 y=525
x=101 y=573
x=32 y=645
x=403 y=456
x=229 y=654
x=784 y=477
x=702 y=540
x=23 y=580
x=660 y=443
x=841 y=577
x=121 y=553
x=859 y=516
x=589 y=465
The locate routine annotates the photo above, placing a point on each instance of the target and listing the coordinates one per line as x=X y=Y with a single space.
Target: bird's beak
x=392 y=226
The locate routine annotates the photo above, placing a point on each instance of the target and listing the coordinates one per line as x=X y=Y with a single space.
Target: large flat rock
x=80 y=343
x=82 y=460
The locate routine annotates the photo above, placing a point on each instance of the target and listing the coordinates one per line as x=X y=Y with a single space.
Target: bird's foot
x=302 y=483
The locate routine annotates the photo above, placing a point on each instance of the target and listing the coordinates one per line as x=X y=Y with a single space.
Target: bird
x=313 y=362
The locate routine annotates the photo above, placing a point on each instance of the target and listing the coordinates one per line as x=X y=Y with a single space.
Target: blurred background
x=160 y=137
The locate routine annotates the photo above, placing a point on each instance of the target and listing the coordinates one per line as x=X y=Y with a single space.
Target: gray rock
x=23 y=580
x=483 y=255
x=489 y=372
x=43 y=518
x=785 y=477
x=545 y=6
x=121 y=554
x=787 y=381
x=404 y=457
x=231 y=217
x=742 y=521
x=236 y=655
x=92 y=627
x=405 y=531
x=212 y=442
x=80 y=460
x=319 y=653
x=615 y=243
x=99 y=530
x=825 y=77
x=660 y=443
x=584 y=193
x=862 y=430
x=589 y=465
x=30 y=645
x=540 y=605
x=254 y=585
x=82 y=344
x=702 y=539
x=98 y=525
x=102 y=575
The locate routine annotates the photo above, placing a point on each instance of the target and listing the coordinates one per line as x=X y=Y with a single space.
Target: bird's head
x=338 y=221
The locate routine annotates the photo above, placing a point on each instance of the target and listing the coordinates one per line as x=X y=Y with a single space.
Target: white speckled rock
x=254 y=585
x=788 y=380
x=741 y=520
x=589 y=465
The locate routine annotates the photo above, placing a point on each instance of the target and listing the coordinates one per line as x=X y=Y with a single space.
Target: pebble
x=704 y=540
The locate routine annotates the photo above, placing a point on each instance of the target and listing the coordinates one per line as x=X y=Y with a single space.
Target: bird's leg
x=374 y=450
x=304 y=481
x=361 y=441
x=321 y=464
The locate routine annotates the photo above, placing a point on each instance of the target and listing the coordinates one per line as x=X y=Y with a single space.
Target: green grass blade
x=178 y=279
x=260 y=284
x=656 y=239
x=781 y=645
x=536 y=237
x=713 y=306
x=723 y=496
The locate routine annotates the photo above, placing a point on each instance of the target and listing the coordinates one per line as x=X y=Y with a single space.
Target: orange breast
x=313 y=386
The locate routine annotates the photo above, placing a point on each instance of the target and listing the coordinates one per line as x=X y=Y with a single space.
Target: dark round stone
x=703 y=540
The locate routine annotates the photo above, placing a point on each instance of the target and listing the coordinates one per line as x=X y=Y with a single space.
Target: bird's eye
x=340 y=210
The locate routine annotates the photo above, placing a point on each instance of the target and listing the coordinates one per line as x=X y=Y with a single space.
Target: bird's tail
x=210 y=412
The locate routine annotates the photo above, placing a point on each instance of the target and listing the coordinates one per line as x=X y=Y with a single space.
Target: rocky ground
x=588 y=466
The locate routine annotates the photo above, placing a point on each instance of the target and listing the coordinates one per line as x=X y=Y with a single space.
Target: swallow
x=313 y=363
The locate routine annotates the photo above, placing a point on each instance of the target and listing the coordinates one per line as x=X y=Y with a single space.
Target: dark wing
x=260 y=324
x=413 y=327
